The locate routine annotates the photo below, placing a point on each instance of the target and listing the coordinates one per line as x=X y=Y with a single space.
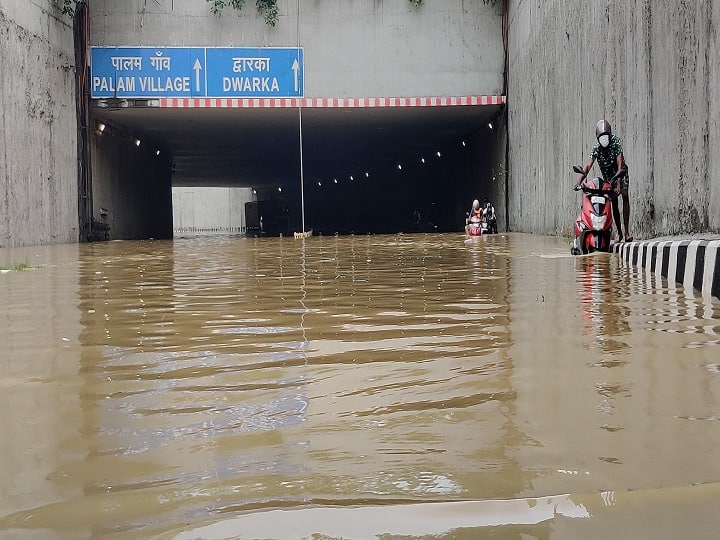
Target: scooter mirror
x=577 y=169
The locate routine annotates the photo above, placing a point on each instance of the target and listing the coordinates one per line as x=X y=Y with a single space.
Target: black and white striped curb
x=693 y=263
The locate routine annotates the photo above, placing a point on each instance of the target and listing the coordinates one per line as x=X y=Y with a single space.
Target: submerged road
x=416 y=385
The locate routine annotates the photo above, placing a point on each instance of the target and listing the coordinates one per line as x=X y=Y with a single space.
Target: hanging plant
x=68 y=6
x=267 y=8
x=418 y=3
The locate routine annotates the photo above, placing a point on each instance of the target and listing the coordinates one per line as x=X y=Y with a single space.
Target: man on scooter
x=475 y=211
x=609 y=154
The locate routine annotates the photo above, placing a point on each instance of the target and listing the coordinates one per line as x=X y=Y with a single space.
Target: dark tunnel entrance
x=364 y=170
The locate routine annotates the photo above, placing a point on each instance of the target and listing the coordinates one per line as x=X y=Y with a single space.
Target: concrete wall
x=368 y=48
x=204 y=210
x=652 y=68
x=38 y=141
x=371 y=48
x=133 y=184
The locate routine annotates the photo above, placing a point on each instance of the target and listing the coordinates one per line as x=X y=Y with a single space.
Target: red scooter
x=593 y=226
x=474 y=226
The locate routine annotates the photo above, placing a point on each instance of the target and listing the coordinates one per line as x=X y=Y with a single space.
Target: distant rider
x=475 y=212
x=490 y=218
x=609 y=154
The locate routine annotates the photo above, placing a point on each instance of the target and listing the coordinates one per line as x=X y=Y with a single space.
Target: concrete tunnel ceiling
x=259 y=147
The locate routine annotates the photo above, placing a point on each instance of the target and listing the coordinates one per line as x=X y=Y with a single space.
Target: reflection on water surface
x=408 y=386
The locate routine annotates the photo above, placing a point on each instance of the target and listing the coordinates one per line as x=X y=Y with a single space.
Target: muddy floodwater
x=356 y=387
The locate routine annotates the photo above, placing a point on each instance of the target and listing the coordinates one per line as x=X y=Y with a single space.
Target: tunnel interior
x=334 y=170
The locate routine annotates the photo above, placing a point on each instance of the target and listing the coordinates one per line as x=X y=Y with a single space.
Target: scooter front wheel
x=606 y=240
x=579 y=246
x=591 y=243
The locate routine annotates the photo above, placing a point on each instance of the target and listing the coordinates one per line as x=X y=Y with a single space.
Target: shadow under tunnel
x=376 y=171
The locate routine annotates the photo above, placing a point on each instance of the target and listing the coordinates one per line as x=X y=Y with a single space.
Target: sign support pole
x=302 y=179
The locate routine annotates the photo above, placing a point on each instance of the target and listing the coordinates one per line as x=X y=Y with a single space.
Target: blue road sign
x=221 y=72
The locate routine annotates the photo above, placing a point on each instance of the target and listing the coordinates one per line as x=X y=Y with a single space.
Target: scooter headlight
x=598 y=222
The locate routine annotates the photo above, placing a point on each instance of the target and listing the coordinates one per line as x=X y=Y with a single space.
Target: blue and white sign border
x=196 y=72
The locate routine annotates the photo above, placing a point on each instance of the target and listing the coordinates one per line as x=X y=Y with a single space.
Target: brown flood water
x=367 y=387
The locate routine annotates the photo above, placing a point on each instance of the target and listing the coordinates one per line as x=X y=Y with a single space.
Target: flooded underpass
x=356 y=387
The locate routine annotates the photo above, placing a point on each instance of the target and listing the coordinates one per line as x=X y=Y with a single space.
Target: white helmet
x=476 y=205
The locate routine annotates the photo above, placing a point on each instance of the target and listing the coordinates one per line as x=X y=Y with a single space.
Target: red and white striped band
x=232 y=103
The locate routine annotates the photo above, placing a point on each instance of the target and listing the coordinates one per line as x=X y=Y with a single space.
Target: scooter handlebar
x=592 y=191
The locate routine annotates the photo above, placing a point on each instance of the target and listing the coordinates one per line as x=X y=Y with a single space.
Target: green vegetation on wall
x=267 y=8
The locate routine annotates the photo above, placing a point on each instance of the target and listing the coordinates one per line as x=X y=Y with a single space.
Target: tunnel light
x=422 y=160
x=254 y=192
x=351 y=178
x=490 y=125
x=100 y=128
x=463 y=143
x=279 y=189
x=157 y=152
x=439 y=154
x=335 y=180
x=367 y=175
x=319 y=183
x=399 y=166
x=137 y=142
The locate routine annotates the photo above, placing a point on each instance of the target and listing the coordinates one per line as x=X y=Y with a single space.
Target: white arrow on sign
x=197 y=67
x=296 y=68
